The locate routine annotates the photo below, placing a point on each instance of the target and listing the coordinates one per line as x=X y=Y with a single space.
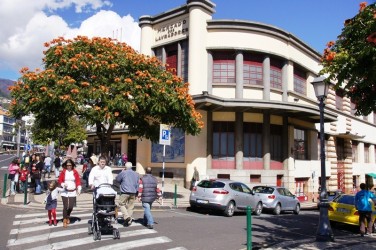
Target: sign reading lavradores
x=173 y=30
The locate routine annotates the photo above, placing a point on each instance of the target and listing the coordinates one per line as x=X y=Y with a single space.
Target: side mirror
x=252 y=192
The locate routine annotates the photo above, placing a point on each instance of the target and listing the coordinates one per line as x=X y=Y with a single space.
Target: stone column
x=209 y=141
x=266 y=78
x=266 y=140
x=210 y=73
x=239 y=140
x=239 y=75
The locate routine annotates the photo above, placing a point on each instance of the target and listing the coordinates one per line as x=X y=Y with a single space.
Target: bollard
x=25 y=191
x=5 y=185
x=175 y=194
x=249 y=228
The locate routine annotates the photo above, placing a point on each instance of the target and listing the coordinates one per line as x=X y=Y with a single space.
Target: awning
x=347 y=135
x=373 y=175
x=6 y=144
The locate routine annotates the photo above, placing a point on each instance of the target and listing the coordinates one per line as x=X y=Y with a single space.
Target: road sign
x=164 y=134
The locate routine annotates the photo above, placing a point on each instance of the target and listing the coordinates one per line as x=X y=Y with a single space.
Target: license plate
x=202 y=201
x=343 y=210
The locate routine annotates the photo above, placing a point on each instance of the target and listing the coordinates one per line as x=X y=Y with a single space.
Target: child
x=24 y=175
x=51 y=202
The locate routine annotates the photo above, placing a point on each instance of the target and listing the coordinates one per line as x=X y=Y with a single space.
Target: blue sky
x=26 y=24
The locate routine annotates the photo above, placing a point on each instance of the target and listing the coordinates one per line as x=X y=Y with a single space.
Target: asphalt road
x=177 y=229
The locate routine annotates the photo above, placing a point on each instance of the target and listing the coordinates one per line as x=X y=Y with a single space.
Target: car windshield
x=211 y=184
x=263 y=190
x=345 y=199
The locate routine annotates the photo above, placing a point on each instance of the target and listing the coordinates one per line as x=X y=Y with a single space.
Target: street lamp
x=324 y=231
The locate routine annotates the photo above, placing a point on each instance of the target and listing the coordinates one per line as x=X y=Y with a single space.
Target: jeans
x=47 y=170
x=57 y=172
x=148 y=218
x=12 y=187
x=38 y=187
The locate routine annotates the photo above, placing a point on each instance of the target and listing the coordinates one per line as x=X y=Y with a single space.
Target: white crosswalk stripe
x=32 y=232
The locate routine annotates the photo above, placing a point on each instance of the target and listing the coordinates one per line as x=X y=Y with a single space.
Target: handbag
x=37 y=174
x=11 y=176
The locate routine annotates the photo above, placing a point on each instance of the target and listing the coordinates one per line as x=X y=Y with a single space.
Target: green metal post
x=5 y=185
x=249 y=228
x=175 y=194
x=25 y=192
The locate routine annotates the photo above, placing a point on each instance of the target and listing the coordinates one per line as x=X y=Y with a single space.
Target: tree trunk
x=104 y=135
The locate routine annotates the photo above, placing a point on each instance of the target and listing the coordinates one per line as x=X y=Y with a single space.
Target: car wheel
x=230 y=209
x=297 y=209
x=277 y=209
x=258 y=209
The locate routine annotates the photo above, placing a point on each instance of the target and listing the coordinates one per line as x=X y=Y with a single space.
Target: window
x=354 y=147
x=300 y=144
x=252 y=69
x=223 y=139
x=276 y=142
x=366 y=153
x=172 y=58
x=340 y=148
x=275 y=73
x=223 y=67
x=300 y=81
x=339 y=99
x=255 y=178
x=252 y=141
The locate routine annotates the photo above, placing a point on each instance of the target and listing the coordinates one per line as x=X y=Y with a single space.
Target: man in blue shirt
x=364 y=207
x=128 y=180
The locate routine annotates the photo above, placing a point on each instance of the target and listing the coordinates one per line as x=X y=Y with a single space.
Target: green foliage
x=351 y=60
x=65 y=135
x=105 y=83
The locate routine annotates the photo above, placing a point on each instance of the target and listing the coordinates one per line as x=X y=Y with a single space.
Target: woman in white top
x=70 y=182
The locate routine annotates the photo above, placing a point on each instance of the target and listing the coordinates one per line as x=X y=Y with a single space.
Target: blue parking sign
x=164 y=134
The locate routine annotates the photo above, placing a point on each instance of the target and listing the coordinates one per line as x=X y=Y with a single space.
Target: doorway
x=132 y=151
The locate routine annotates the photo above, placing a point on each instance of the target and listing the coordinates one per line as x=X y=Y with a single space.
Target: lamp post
x=324 y=231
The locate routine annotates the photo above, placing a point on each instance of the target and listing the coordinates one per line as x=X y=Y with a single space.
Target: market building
x=252 y=84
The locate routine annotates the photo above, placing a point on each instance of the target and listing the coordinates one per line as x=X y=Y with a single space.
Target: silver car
x=277 y=199
x=225 y=195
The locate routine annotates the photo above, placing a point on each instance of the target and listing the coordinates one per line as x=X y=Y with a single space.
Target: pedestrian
x=13 y=171
x=124 y=159
x=57 y=164
x=87 y=169
x=363 y=200
x=51 y=202
x=128 y=180
x=69 y=181
x=100 y=174
x=195 y=178
x=47 y=166
x=36 y=171
x=148 y=192
x=24 y=175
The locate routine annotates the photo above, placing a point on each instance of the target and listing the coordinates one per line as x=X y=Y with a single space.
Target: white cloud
x=26 y=25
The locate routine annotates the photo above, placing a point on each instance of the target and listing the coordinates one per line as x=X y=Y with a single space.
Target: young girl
x=13 y=174
x=24 y=175
x=51 y=202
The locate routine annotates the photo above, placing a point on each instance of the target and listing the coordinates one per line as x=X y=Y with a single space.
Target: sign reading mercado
x=171 y=31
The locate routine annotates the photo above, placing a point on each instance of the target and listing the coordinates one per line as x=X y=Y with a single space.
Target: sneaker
x=127 y=221
x=149 y=226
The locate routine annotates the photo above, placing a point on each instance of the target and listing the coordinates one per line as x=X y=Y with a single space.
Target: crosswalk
x=30 y=231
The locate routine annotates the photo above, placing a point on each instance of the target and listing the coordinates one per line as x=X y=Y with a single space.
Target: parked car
x=342 y=209
x=331 y=196
x=277 y=199
x=224 y=195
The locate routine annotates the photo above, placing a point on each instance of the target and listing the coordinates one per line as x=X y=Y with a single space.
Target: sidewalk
x=85 y=199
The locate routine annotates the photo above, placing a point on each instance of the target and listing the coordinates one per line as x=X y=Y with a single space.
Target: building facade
x=10 y=130
x=252 y=84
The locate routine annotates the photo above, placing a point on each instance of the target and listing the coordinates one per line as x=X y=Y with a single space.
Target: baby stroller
x=104 y=212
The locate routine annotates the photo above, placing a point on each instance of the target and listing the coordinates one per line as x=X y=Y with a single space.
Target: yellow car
x=342 y=209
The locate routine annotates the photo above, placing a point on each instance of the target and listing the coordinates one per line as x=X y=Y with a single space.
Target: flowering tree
x=104 y=82
x=351 y=60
